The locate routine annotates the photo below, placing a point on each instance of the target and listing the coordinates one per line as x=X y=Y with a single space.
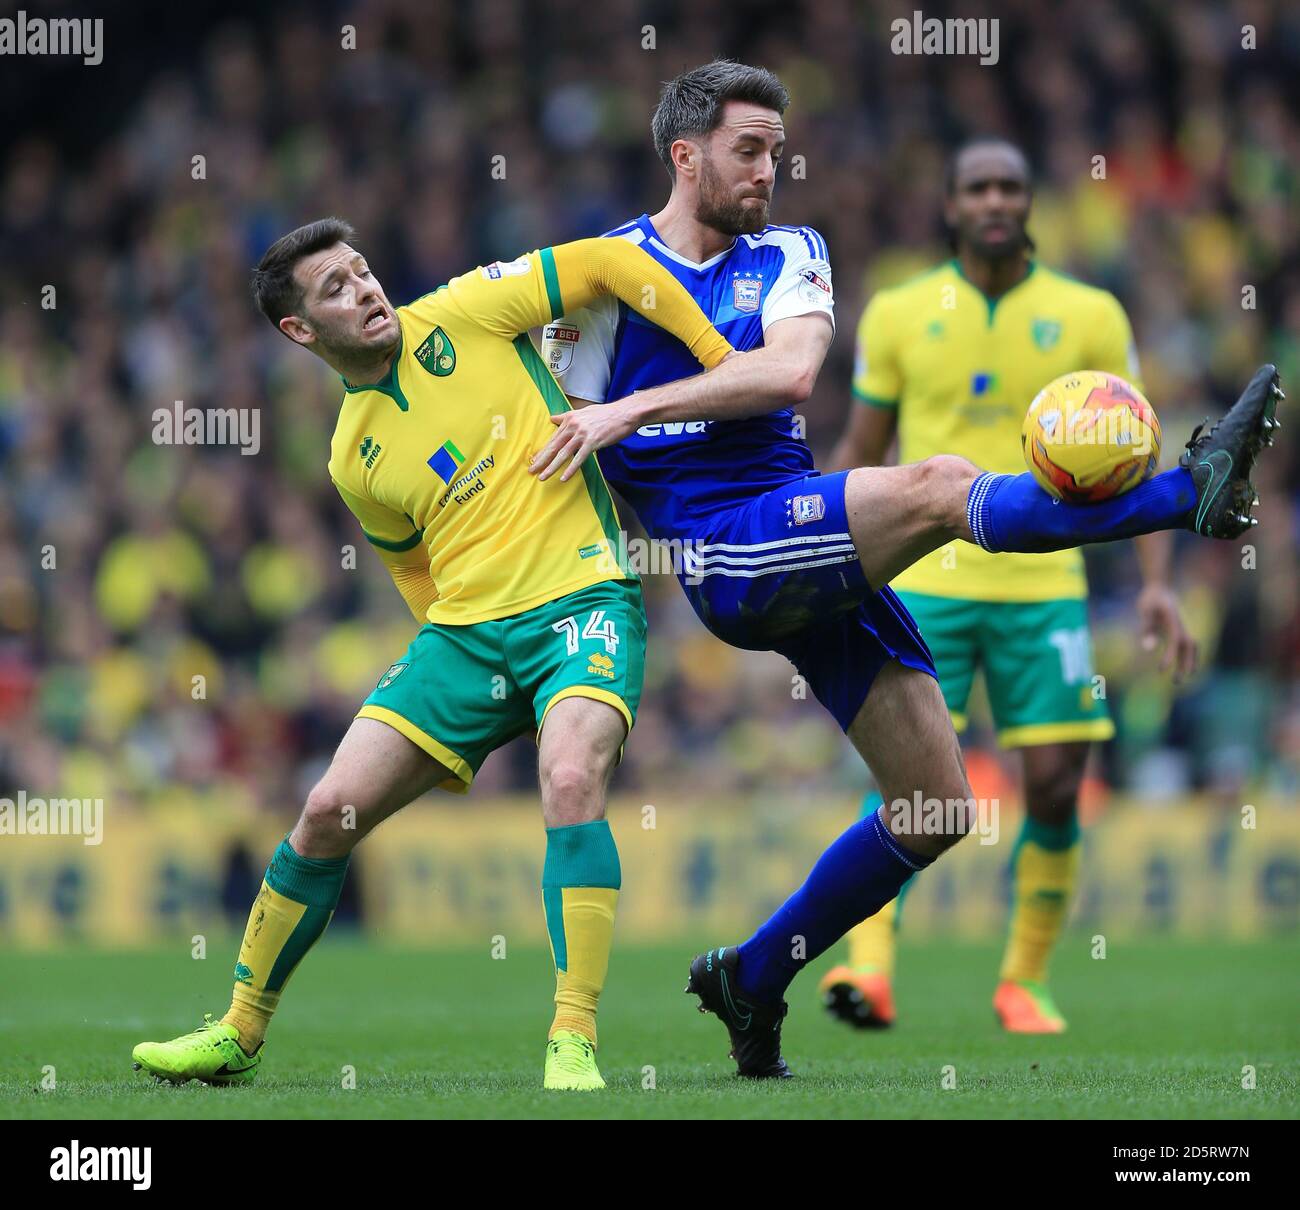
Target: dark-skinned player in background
x=945 y=362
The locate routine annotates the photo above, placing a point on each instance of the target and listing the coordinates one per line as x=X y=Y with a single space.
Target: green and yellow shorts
x=460 y=692
x=1037 y=662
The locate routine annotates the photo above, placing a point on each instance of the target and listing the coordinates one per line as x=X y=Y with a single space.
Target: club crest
x=746 y=293
x=436 y=354
x=806 y=509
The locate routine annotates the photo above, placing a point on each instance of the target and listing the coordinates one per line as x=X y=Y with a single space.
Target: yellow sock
x=589 y=937
x=871 y=943
x=580 y=883
x=297 y=899
x=1045 y=869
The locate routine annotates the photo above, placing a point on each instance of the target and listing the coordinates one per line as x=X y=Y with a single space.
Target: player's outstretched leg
x=860 y=873
x=1209 y=493
x=375 y=772
x=581 y=878
x=899 y=513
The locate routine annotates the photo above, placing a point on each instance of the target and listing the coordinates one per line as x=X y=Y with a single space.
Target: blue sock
x=870 y=805
x=1011 y=512
x=860 y=873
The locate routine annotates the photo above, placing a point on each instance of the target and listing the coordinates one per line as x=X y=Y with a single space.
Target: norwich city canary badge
x=436 y=354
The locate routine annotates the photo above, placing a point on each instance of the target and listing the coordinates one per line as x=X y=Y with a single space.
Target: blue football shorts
x=781 y=573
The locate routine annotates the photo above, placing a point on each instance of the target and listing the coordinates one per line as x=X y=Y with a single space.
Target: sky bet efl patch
x=509 y=268
x=558 y=343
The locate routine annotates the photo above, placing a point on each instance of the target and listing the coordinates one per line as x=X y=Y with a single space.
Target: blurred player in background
x=781 y=557
x=947 y=361
x=533 y=622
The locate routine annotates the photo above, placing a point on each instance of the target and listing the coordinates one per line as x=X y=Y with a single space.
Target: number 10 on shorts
x=597 y=627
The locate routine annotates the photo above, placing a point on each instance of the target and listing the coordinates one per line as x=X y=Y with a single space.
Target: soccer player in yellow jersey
x=947 y=361
x=532 y=620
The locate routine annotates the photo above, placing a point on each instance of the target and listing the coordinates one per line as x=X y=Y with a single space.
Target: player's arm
x=798 y=324
x=868 y=434
x=1159 y=618
x=781 y=373
x=539 y=288
x=398 y=542
x=877 y=387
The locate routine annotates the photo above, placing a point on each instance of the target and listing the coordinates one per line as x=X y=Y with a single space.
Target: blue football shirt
x=679 y=475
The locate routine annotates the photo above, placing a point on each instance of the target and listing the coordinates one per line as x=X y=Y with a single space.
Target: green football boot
x=211 y=1054
x=571 y=1063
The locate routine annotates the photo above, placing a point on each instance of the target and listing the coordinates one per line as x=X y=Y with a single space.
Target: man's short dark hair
x=691 y=105
x=275 y=288
x=981 y=140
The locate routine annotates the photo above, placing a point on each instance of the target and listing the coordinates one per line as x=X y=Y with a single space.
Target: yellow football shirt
x=437 y=453
x=961 y=370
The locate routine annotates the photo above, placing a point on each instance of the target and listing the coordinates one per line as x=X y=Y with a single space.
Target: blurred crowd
x=188 y=616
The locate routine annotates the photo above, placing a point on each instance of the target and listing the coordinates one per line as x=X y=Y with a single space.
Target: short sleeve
x=876 y=377
x=803 y=286
x=579 y=350
x=382 y=527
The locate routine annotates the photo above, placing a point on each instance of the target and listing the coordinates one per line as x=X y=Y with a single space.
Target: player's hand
x=1163 y=630
x=579 y=434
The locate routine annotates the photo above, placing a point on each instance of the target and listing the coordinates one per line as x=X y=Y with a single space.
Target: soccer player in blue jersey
x=784 y=558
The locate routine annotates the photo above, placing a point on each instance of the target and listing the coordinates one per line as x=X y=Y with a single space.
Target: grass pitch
x=1157 y=1030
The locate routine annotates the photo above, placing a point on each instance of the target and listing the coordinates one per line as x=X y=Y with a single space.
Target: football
x=1089 y=436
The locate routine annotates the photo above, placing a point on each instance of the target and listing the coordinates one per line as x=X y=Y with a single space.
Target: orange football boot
x=863 y=998
x=1024 y=1007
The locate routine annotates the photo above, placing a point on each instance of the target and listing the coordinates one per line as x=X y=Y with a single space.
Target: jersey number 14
x=597 y=627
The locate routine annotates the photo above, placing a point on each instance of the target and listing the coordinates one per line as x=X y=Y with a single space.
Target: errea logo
x=78 y=1163
x=370 y=450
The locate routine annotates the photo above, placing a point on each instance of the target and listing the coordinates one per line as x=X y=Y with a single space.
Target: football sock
x=580 y=881
x=1011 y=512
x=871 y=943
x=297 y=899
x=1044 y=867
x=853 y=879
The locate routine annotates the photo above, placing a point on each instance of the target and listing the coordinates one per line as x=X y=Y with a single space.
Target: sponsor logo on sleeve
x=507 y=268
x=558 y=344
x=814 y=288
